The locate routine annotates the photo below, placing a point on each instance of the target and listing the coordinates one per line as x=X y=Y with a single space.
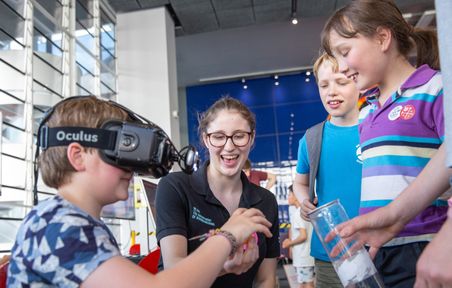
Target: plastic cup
x=353 y=265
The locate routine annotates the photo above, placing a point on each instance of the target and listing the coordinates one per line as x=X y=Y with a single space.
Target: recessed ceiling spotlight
x=245 y=86
x=276 y=77
x=308 y=73
x=294 y=21
x=276 y=83
x=307 y=80
x=243 y=80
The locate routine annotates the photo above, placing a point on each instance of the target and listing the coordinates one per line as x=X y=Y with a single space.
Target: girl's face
x=229 y=139
x=362 y=59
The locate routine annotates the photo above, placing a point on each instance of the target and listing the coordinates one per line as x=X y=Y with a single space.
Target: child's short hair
x=80 y=112
x=324 y=58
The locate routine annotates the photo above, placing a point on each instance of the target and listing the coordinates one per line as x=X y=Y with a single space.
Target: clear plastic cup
x=353 y=264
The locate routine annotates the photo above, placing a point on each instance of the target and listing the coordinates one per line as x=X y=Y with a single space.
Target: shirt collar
x=422 y=75
x=199 y=182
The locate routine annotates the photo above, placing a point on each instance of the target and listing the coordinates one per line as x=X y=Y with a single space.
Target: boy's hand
x=286 y=243
x=244 y=222
x=306 y=207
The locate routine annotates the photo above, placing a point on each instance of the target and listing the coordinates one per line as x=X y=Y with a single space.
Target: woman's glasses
x=219 y=139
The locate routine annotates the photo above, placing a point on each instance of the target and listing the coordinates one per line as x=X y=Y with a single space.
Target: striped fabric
x=397 y=141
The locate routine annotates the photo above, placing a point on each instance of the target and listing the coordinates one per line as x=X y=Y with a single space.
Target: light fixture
x=276 y=83
x=307 y=79
x=308 y=73
x=276 y=77
x=294 y=13
x=245 y=86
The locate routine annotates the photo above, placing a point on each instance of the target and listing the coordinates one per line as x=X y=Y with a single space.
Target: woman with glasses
x=189 y=206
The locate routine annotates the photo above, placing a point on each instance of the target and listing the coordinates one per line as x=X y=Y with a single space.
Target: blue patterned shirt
x=59 y=245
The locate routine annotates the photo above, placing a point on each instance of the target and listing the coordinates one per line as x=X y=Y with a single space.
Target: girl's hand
x=244 y=222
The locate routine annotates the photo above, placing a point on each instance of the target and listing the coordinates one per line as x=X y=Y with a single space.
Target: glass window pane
x=47 y=75
x=108 y=27
x=108 y=78
x=15 y=174
x=11 y=23
x=7 y=42
x=86 y=80
x=106 y=92
x=12 y=203
x=51 y=28
x=47 y=49
x=12 y=81
x=12 y=109
x=16 y=5
x=53 y=7
x=8 y=235
x=85 y=24
x=13 y=141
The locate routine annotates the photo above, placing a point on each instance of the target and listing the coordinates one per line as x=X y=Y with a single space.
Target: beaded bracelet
x=228 y=235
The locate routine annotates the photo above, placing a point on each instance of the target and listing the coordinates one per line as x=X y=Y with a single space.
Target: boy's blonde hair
x=322 y=59
x=80 y=112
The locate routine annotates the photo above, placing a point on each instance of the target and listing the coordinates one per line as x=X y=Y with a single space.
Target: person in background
x=339 y=167
x=63 y=242
x=300 y=243
x=256 y=176
x=402 y=130
x=191 y=205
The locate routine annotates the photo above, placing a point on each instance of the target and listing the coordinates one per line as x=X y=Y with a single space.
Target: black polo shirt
x=186 y=206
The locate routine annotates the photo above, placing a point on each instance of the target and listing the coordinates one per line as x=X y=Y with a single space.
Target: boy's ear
x=384 y=37
x=75 y=155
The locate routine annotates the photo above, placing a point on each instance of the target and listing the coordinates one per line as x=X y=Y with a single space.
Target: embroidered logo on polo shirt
x=407 y=112
x=395 y=113
x=196 y=215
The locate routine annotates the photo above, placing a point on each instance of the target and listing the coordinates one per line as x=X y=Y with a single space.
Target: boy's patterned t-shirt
x=60 y=245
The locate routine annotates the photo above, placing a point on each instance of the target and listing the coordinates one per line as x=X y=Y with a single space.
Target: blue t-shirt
x=339 y=173
x=58 y=245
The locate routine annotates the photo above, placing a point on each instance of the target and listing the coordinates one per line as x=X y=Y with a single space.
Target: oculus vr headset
x=139 y=146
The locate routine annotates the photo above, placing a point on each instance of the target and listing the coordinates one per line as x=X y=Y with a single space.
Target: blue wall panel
x=283 y=112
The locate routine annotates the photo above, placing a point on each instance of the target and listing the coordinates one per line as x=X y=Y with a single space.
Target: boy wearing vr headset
x=62 y=242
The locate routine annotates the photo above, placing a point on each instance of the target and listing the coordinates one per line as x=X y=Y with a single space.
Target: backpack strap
x=314 y=145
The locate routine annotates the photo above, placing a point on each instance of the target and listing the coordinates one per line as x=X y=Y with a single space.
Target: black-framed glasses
x=219 y=139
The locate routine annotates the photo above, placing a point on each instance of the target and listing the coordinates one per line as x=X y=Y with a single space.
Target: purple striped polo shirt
x=397 y=141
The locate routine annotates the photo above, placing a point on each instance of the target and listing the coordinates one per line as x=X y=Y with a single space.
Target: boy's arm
x=301 y=191
x=271 y=180
x=380 y=226
x=265 y=277
x=300 y=239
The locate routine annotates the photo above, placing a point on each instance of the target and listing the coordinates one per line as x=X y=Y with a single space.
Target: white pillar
x=147 y=79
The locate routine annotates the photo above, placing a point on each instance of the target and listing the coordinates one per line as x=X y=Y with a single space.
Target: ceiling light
x=243 y=80
x=245 y=86
x=294 y=21
x=276 y=83
x=307 y=80
x=276 y=77
x=308 y=73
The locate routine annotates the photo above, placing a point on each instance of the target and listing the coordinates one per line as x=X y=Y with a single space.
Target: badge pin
x=395 y=113
x=407 y=112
